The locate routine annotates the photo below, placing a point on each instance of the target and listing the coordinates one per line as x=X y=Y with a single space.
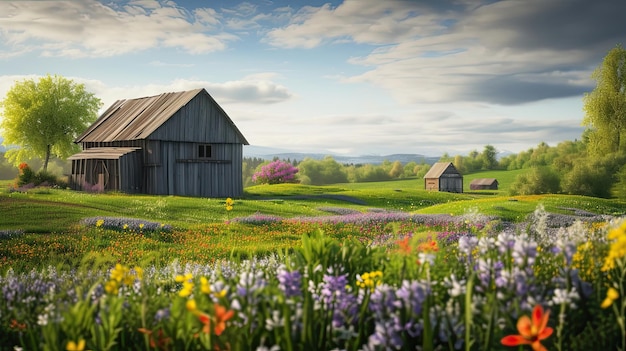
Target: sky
x=353 y=77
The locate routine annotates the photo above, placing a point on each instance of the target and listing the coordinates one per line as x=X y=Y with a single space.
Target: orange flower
x=531 y=332
x=161 y=341
x=430 y=245
x=17 y=325
x=221 y=316
x=404 y=246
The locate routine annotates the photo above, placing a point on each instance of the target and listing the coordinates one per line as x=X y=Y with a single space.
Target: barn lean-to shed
x=180 y=143
x=443 y=176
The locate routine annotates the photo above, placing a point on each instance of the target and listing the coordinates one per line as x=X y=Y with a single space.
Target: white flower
x=42 y=319
x=563 y=296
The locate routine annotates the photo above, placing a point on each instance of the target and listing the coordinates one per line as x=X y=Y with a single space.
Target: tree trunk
x=45 y=162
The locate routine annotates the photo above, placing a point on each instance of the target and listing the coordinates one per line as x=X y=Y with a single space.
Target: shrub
x=540 y=180
x=26 y=174
x=275 y=172
x=28 y=177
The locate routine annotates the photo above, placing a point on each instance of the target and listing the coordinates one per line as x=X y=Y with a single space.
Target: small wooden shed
x=443 y=176
x=484 y=184
x=180 y=143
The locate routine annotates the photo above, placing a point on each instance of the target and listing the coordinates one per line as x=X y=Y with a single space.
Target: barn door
x=101 y=174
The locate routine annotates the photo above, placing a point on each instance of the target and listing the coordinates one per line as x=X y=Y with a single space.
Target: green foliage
x=44 y=118
x=367 y=173
x=605 y=106
x=489 y=157
x=594 y=176
x=320 y=172
x=540 y=180
x=619 y=188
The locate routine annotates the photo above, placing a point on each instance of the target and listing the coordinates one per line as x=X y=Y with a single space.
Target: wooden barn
x=180 y=143
x=443 y=176
x=484 y=184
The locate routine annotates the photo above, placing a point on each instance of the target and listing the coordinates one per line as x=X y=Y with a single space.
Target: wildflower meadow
x=349 y=280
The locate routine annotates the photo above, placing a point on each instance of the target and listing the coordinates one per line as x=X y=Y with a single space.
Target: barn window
x=204 y=151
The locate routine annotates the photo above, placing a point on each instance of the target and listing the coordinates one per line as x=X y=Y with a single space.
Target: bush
x=276 y=172
x=28 y=176
x=540 y=180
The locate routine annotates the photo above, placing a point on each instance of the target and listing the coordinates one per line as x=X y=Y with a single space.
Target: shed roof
x=136 y=119
x=439 y=168
x=483 y=181
x=104 y=153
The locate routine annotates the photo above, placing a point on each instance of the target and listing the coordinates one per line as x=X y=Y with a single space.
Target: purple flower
x=290 y=283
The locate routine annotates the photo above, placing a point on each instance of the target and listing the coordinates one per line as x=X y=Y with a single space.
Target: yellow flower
x=139 y=272
x=191 y=305
x=119 y=272
x=125 y=226
x=369 y=280
x=111 y=287
x=187 y=281
x=141 y=225
x=99 y=223
x=229 y=204
x=72 y=346
x=181 y=278
x=617 y=250
x=611 y=295
x=205 y=287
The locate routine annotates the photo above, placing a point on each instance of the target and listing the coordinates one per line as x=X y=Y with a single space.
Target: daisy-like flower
x=531 y=331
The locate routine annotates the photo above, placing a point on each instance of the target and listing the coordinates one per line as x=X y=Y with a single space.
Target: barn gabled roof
x=136 y=119
x=439 y=168
x=483 y=181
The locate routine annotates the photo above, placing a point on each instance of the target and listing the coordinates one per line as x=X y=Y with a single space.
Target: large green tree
x=605 y=106
x=44 y=117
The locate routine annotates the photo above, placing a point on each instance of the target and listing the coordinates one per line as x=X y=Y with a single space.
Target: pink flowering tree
x=275 y=172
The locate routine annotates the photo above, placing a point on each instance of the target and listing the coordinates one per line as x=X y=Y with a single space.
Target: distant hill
x=271 y=153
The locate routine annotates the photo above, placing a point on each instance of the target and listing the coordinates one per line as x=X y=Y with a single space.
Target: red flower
x=22 y=166
x=531 y=332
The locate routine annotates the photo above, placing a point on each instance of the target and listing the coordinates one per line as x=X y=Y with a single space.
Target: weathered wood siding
x=170 y=129
x=202 y=121
x=108 y=174
x=443 y=177
x=179 y=171
x=451 y=183
x=431 y=184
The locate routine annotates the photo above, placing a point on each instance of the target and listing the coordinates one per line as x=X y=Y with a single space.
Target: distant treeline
x=566 y=168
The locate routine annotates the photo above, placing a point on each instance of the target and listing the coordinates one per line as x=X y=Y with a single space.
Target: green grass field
x=52 y=210
x=53 y=234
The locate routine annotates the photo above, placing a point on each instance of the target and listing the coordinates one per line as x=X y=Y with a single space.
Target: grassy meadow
x=50 y=219
x=357 y=266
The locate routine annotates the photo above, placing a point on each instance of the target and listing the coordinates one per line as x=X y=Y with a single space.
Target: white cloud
x=506 y=52
x=92 y=29
x=363 y=21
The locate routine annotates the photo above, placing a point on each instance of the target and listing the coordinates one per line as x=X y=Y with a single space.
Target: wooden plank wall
x=180 y=172
x=198 y=121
